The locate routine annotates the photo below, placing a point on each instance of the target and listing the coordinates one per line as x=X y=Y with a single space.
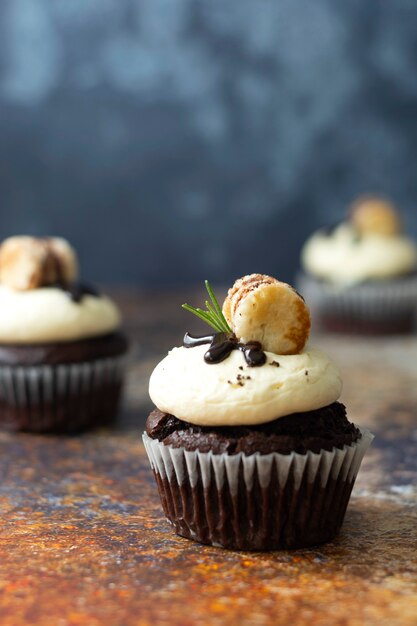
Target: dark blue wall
x=173 y=140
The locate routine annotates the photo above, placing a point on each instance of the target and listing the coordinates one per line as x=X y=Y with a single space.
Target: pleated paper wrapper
x=256 y=502
x=380 y=306
x=60 y=398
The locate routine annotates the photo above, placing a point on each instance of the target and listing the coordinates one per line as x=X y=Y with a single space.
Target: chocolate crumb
x=274 y=363
x=241 y=367
x=238 y=382
x=306 y=372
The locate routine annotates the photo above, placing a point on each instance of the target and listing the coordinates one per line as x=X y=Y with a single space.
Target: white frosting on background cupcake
x=230 y=393
x=48 y=314
x=343 y=257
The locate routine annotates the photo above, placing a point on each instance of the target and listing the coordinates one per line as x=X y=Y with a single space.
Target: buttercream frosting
x=344 y=257
x=230 y=393
x=49 y=315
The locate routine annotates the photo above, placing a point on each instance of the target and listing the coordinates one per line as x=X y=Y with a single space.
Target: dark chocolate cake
x=78 y=351
x=73 y=385
x=322 y=429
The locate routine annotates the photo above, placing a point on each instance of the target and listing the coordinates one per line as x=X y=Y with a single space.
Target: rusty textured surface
x=83 y=540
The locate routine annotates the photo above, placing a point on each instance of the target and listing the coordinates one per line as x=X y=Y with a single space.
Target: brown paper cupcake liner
x=63 y=398
x=386 y=307
x=257 y=502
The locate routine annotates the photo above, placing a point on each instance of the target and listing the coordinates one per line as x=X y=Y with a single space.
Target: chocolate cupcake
x=360 y=276
x=62 y=352
x=250 y=448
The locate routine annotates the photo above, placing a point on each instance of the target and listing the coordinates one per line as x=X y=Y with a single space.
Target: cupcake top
x=369 y=245
x=254 y=368
x=40 y=298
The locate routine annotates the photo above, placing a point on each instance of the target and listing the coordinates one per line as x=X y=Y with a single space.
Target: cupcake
x=249 y=446
x=62 y=353
x=360 y=276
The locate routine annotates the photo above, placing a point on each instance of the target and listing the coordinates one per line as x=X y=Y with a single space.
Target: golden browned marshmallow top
x=261 y=308
x=29 y=262
x=375 y=216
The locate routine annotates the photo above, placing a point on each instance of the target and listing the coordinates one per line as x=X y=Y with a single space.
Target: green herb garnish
x=213 y=316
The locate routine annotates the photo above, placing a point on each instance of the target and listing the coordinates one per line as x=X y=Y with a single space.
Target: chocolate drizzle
x=222 y=344
x=76 y=291
x=330 y=229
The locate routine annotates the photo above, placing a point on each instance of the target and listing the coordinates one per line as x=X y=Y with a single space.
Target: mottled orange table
x=83 y=540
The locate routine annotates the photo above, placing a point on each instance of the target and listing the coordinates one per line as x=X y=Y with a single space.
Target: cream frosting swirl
x=343 y=257
x=49 y=315
x=230 y=393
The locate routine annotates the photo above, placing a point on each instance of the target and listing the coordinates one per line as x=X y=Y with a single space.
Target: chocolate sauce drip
x=191 y=342
x=77 y=291
x=222 y=344
x=253 y=353
x=330 y=229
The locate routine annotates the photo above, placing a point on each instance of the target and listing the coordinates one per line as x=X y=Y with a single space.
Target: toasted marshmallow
x=261 y=308
x=375 y=216
x=29 y=262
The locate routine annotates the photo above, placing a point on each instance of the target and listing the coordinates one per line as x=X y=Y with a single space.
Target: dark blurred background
x=173 y=140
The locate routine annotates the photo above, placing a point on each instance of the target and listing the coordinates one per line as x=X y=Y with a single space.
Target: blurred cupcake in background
x=62 y=353
x=360 y=275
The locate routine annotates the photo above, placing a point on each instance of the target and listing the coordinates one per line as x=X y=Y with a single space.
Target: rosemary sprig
x=214 y=315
